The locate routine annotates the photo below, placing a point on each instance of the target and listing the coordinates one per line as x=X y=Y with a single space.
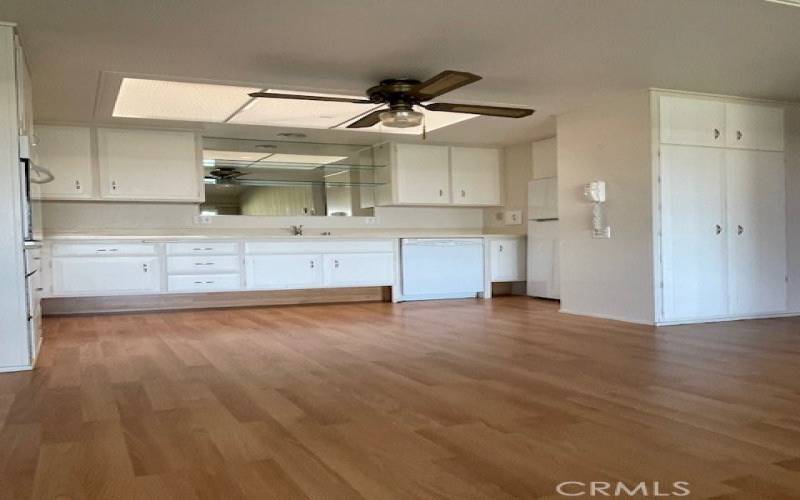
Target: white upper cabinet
x=692 y=121
x=754 y=126
x=67 y=153
x=157 y=165
x=475 y=174
x=422 y=174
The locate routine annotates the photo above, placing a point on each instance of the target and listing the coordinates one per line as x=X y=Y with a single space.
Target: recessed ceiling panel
x=433 y=121
x=298 y=113
x=181 y=101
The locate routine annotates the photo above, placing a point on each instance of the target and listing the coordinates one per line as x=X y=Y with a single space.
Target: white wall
x=545 y=158
x=86 y=216
x=793 y=205
x=517 y=169
x=607 y=277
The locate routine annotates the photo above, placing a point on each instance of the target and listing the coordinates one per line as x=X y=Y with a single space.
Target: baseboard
x=723 y=319
x=164 y=302
x=609 y=316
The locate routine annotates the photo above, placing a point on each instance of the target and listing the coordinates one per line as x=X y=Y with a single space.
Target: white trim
x=722 y=319
x=609 y=316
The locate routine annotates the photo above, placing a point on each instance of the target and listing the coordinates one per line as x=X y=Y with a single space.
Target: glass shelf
x=267 y=165
x=266 y=182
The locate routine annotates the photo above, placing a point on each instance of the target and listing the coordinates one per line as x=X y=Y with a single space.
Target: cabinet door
x=101 y=275
x=148 y=165
x=359 y=269
x=422 y=174
x=67 y=153
x=506 y=260
x=753 y=126
x=757 y=231
x=691 y=121
x=266 y=272
x=475 y=174
x=694 y=262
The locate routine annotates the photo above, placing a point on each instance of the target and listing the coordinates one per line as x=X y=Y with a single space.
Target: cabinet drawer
x=203 y=264
x=62 y=249
x=203 y=283
x=290 y=247
x=203 y=248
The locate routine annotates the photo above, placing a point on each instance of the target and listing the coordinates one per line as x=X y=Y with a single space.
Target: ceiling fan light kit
x=401 y=95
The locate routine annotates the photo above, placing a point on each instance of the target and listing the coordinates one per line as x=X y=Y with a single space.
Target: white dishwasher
x=441 y=268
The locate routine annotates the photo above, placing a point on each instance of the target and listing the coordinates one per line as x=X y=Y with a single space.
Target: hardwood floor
x=464 y=399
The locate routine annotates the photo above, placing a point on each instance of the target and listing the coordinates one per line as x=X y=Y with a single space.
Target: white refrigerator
x=543 y=268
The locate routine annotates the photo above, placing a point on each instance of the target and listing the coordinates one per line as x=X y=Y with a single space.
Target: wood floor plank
x=464 y=399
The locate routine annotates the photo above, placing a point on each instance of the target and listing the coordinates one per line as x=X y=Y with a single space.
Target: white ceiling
x=553 y=55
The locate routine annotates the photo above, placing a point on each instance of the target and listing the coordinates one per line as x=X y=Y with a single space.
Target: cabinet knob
x=716 y=133
x=739 y=135
x=336 y=264
x=311 y=264
x=739 y=230
x=77 y=185
x=113 y=185
x=717 y=229
x=441 y=192
x=145 y=267
x=501 y=248
x=463 y=193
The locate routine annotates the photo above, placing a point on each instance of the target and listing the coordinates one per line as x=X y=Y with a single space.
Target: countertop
x=309 y=234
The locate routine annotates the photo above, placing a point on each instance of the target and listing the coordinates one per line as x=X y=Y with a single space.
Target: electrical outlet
x=202 y=219
x=512 y=217
x=604 y=233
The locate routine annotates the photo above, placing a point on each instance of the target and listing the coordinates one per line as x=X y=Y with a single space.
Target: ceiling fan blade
x=367 y=120
x=442 y=83
x=310 y=97
x=477 y=109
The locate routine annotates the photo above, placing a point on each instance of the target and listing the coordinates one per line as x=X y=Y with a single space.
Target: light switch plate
x=512 y=217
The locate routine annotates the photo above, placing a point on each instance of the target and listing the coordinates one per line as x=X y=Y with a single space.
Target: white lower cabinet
x=102 y=275
x=507 y=259
x=204 y=282
x=358 y=269
x=278 y=271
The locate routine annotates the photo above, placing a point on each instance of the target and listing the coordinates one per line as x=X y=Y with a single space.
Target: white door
x=756 y=231
x=691 y=121
x=148 y=164
x=266 y=272
x=67 y=153
x=543 y=270
x=694 y=233
x=475 y=174
x=422 y=174
x=101 y=275
x=506 y=260
x=359 y=269
x=543 y=198
x=753 y=126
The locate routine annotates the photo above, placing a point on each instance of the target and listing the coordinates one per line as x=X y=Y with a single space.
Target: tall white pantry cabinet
x=720 y=222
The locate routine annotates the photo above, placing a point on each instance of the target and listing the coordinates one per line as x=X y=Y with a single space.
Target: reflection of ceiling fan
x=402 y=95
x=225 y=174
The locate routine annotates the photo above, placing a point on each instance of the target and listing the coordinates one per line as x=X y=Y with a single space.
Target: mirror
x=276 y=178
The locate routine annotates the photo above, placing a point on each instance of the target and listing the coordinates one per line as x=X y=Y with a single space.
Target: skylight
x=211 y=103
x=182 y=101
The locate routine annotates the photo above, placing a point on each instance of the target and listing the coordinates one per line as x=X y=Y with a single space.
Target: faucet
x=296 y=230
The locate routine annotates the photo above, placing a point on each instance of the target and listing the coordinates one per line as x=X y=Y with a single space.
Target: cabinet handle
x=113 y=249
x=198 y=249
x=441 y=193
x=113 y=185
x=716 y=133
x=336 y=264
x=739 y=230
x=145 y=267
x=39 y=289
x=203 y=263
x=501 y=248
x=717 y=229
x=463 y=193
x=77 y=185
x=311 y=264
x=203 y=282
x=738 y=135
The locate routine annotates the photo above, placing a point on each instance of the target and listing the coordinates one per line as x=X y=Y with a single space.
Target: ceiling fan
x=401 y=95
